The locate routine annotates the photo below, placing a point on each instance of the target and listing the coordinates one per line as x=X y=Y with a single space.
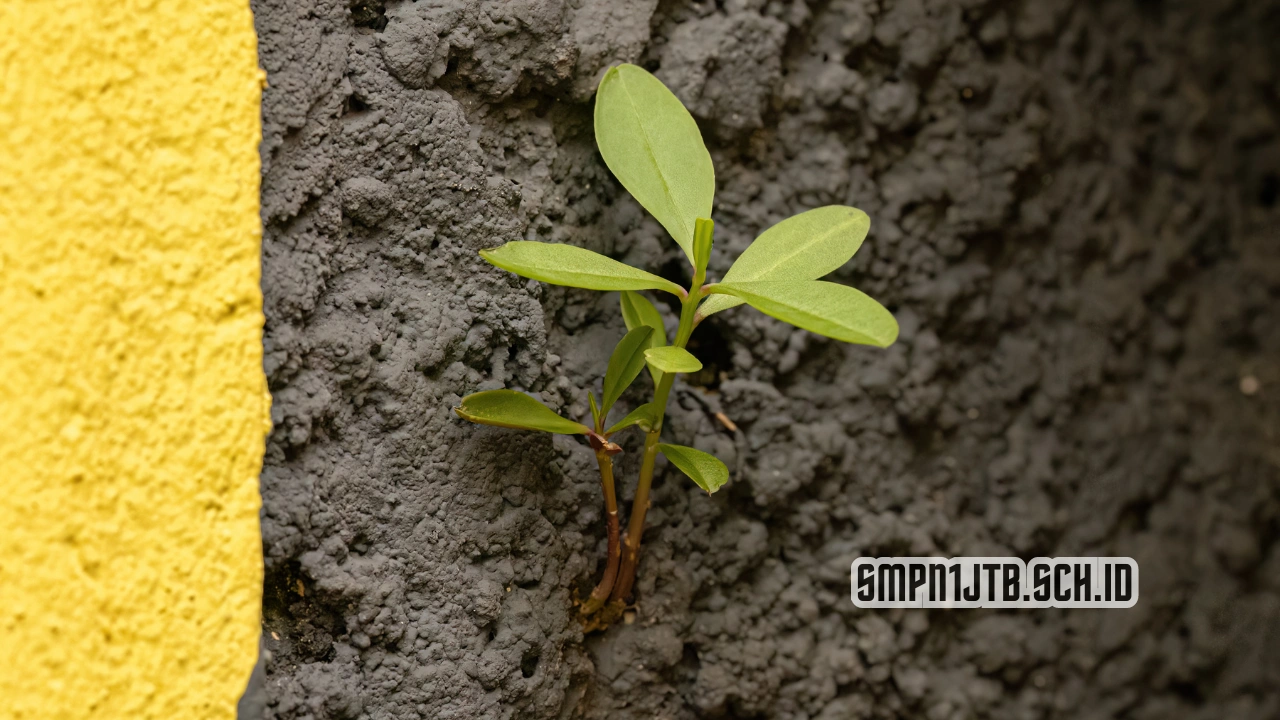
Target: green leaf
x=595 y=409
x=672 y=359
x=508 y=408
x=644 y=416
x=573 y=266
x=703 y=231
x=803 y=247
x=624 y=365
x=825 y=308
x=654 y=148
x=637 y=311
x=703 y=469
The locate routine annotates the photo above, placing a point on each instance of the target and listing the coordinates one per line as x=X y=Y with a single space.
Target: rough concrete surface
x=1074 y=212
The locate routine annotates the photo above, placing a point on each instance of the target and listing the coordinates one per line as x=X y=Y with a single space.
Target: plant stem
x=635 y=528
x=640 y=505
x=601 y=592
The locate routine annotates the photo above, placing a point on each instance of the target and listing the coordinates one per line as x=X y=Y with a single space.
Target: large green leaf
x=802 y=247
x=637 y=311
x=624 y=365
x=508 y=408
x=654 y=148
x=826 y=308
x=704 y=469
x=672 y=359
x=644 y=416
x=573 y=266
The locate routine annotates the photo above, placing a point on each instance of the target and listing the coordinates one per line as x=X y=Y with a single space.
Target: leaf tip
x=891 y=337
x=606 y=77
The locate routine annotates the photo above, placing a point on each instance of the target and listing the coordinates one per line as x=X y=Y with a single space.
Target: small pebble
x=1249 y=385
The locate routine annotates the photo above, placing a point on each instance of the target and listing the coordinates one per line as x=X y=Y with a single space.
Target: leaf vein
x=648 y=148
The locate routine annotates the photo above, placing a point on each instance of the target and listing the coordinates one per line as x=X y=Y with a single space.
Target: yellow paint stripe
x=132 y=402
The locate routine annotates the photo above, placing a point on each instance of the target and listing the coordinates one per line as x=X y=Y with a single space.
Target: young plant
x=653 y=146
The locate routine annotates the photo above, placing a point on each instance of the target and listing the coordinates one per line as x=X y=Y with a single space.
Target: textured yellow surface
x=132 y=402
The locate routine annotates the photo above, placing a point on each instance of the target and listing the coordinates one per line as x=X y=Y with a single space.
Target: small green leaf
x=643 y=416
x=654 y=148
x=573 y=266
x=624 y=365
x=595 y=409
x=825 y=308
x=703 y=469
x=637 y=311
x=672 y=359
x=703 y=231
x=803 y=247
x=511 y=409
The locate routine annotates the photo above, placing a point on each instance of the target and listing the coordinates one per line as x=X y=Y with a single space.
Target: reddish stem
x=635 y=530
x=601 y=592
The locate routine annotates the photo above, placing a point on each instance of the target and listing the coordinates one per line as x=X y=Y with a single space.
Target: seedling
x=653 y=146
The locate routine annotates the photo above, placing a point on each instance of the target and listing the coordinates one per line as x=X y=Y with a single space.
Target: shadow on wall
x=253 y=703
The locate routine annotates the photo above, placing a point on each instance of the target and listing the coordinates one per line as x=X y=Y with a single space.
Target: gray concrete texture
x=1074 y=219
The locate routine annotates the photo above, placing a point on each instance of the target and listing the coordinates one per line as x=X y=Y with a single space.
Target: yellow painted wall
x=132 y=402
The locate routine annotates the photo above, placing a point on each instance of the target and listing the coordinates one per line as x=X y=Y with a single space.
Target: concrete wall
x=1073 y=215
x=132 y=401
